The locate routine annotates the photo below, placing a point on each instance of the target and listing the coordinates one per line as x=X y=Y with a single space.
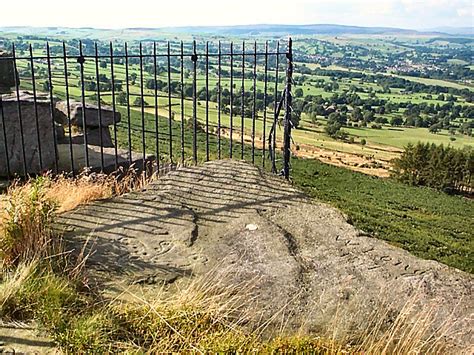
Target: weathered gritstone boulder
x=97 y=157
x=93 y=137
x=312 y=270
x=97 y=128
x=7 y=73
x=37 y=125
x=92 y=114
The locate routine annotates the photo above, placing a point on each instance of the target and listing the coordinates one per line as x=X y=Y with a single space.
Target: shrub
x=26 y=225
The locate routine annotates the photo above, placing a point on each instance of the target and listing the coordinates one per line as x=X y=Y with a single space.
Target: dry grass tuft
x=27 y=209
x=26 y=223
x=87 y=187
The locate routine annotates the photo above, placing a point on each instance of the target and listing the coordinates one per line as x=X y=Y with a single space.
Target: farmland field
x=312 y=79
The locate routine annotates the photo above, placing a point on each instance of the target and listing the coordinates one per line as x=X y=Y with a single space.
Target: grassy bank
x=427 y=223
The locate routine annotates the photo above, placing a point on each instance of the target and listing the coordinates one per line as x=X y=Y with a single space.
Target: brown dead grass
x=354 y=162
x=70 y=193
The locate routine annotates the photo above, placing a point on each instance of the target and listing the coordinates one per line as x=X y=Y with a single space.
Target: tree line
x=441 y=167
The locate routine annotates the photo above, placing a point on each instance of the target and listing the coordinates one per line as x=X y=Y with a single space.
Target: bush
x=363 y=141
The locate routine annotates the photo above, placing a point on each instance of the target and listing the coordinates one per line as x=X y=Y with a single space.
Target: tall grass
x=26 y=223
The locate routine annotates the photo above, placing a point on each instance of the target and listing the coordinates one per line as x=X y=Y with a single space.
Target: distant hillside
x=321 y=29
x=455 y=30
x=247 y=30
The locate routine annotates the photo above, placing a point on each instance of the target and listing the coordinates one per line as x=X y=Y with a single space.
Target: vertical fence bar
x=20 y=118
x=81 y=60
x=35 y=102
x=274 y=126
x=99 y=106
x=182 y=101
x=170 y=113
x=114 y=107
x=242 y=104
x=52 y=108
x=207 y=101
x=157 y=133
x=231 y=128
x=130 y=159
x=265 y=99
x=51 y=105
x=254 y=103
x=5 y=143
x=287 y=120
x=194 y=59
x=142 y=108
x=68 y=105
x=219 y=97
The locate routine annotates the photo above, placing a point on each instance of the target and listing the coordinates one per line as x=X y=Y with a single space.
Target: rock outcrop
x=97 y=122
x=43 y=127
x=312 y=270
x=7 y=73
x=41 y=132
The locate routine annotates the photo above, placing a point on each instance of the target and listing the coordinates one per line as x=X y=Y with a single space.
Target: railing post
x=287 y=124
x=194 y=59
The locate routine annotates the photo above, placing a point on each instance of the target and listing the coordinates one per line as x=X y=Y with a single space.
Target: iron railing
x=212 y=100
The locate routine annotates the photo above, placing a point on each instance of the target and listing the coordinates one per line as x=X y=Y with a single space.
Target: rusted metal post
x=287 y=123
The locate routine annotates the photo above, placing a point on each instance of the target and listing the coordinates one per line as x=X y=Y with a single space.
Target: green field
x=428 y=223
x=379 y=142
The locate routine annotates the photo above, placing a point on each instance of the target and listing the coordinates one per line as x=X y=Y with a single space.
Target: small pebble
x=251 y=227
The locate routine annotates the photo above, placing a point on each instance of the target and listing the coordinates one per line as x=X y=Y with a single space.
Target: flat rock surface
x=21 y=338
x=310 y=265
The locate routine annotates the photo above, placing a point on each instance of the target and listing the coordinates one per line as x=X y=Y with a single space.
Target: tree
x=150 y=84
x=357 y=114
x=122 y=98
x=336 y=117
x=299 y=92
x=138 y=101
x=45 y=86
x=332 y=129
x=443 y=168
x=435 y=128
x=396 y=121
x=368 y=116
x=103 y=64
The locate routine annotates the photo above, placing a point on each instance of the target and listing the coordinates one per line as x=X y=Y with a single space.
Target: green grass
x=316 y=137
x=400 y=136
x=427 y=223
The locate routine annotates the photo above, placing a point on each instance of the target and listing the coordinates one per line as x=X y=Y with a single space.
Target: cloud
x=153 y=13
x=466 y=12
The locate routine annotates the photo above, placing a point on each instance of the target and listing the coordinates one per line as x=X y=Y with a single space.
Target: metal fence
x=83 y=104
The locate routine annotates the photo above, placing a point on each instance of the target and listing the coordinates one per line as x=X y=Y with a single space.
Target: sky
x=415 y=14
